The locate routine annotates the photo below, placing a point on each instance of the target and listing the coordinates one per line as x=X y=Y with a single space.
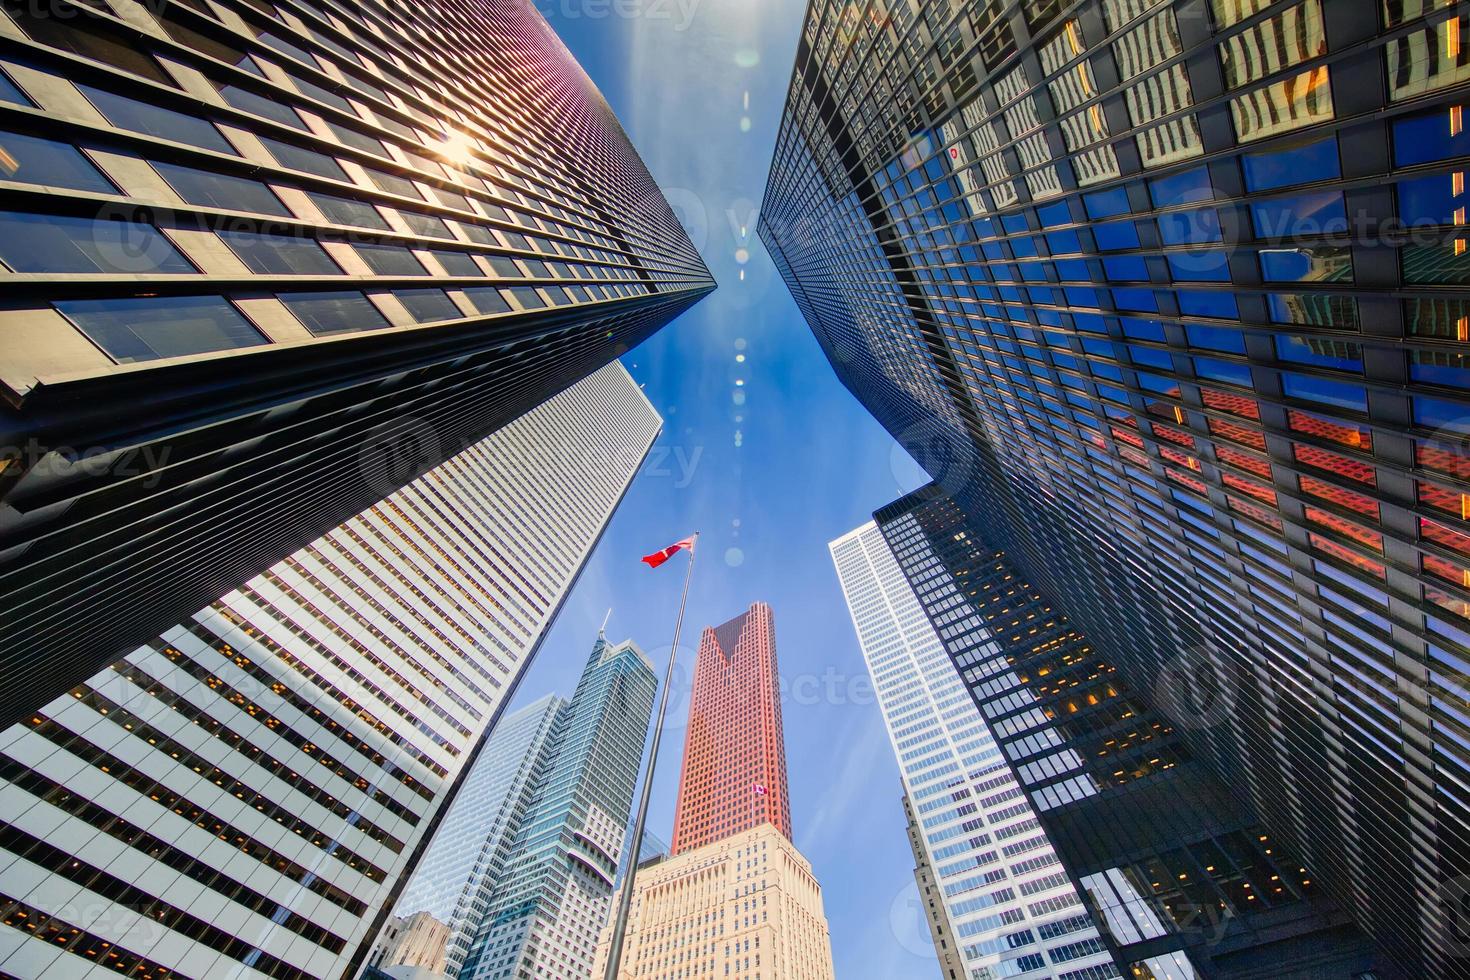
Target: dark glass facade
x=1172 y=296
x=266 y=262
x=1179 y=877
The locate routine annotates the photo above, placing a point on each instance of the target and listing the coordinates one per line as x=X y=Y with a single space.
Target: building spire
x=602 y=630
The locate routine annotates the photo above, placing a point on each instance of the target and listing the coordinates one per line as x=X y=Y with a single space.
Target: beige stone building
x=746 y=907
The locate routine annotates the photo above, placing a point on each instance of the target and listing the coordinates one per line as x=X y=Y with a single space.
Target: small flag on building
x=760 y=789
x=659 y=557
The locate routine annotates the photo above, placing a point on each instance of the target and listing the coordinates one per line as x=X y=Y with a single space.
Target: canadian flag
x=760 y=789
x=659 y=557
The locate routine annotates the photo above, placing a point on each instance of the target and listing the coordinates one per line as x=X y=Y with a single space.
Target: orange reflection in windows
x=1134 y=456
x=1240 y=405
x=1251 y=487
x=1175 y=456
x=1253 y=438
x=1198 y=486
x=1323 y=490
x=1235 y=457
x=1444 y=457
x=1341 y=465
x=1174 y=435
x=1362 y=535
x=1124 y=435
x=1450 y=501
x=1329 y=547
x=1441 y=535
x=1255 y=511
x=1344 y=434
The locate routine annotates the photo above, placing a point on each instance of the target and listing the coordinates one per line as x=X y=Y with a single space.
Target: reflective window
x=221 y=190
x=1317 y=263
x=78 y=33
x=307 y=161
x=53 y=243
x=1305 y=215
x=1447 y=264
x=1435 y=135
x=1216 y=338
x=428 y=305
x=1106 y=204
x=143 y=117
x=390 y=260
x=1190 y=227
x=457 y=263
x=426 y=225
x=488 y=299
x=1315 y=309
x=527 y=297
x=248 y=101
x=1116 y=235
x=1189 y=187
x=1343 y=355
x=344 y=211
x=1216 y=304
x=1311 y=388
x=359 y=141
x=1205 y=266
x=393 y=184
x=1440 y=367
x=148 y=328
x=1300 y=164
x=330 y=313
x=282 y=255
x=31 y=160
x=1227 y=371
x=9 y=93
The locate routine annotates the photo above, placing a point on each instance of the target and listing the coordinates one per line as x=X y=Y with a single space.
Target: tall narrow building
x=455 y=881
x=998 y=882
x=244 y=794
x=1177 y=877
x=267 y=262
x=552 y=895
x=734 y=774
x=1132 y=281
x=736 y=898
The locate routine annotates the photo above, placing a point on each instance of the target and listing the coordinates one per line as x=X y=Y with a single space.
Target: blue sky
x=810 y=463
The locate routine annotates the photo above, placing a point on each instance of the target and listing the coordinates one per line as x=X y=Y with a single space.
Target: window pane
x=146 y=329
x=356 y=140
x=1320 y=263
x=1296 y=165
x=344 y=211
x=391 y=184
x=247 y=101
x=157 y=121
x=1327 y=392
x=1435 y=135
x=220 y=190
x=426 y=225
x=1344 y=355
x=488 y=299
x=1188 y=227
x=1304 y=215
x=391 y=260
x=308 y=161
x=79 y=34
x=1447 y=264
x=9 y=93
x=332 y=313
x=31 y=160
x=1433 y=200
x=457 y=263
x=428 y=305
x=52 y=243
x=281 y=255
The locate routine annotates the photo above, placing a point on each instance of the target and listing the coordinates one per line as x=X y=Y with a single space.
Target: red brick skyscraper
x=734 y=775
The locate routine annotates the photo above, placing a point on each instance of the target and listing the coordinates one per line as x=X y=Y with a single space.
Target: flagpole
x=620 y=923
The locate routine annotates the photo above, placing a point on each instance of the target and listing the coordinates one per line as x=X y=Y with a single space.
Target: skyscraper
x=455 y=880
x=265 y=263
x=243 y=794
x=734 y=773
x=997 y=878
x=1178 y=877
x=552 y=896
x=736 y=898
x=1131 y=280
x=936 y=914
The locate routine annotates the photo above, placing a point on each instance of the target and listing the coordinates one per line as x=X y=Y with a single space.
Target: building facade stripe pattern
x=1173 y=294
x=245 y=793
x=267 y=262
x=994 y=870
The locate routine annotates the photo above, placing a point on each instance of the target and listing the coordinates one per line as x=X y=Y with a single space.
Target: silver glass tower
x=457 y=875
x=1000 y=881
x=556 y=890
x=242 y=795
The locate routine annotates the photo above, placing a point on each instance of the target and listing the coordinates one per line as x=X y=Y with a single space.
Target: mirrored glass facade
x=1171 y=294
x=279 y=260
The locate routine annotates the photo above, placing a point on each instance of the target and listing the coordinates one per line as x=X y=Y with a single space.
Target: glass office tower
x=456 y=877
x=552 y=896
x=1173 y=296
x=245 y=794
x=266 y=262
x=996 y=879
